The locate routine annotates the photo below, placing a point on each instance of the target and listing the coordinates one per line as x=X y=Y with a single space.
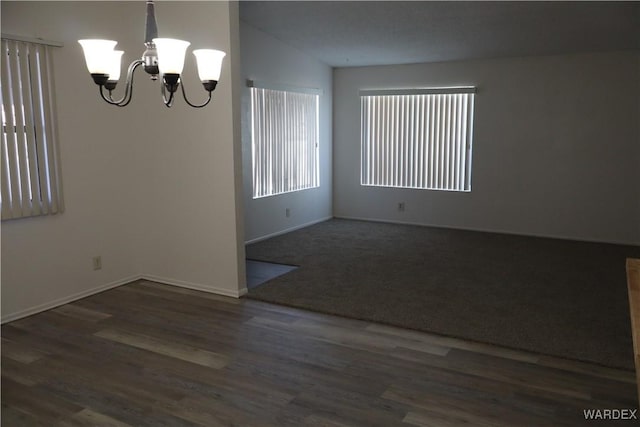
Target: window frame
x=31 y=182
x=420 y=138
x=285 y=147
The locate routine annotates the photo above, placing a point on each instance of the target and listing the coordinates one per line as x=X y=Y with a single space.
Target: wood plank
x=117 y=383
x=352 y=408
x=78 y=312
x=90 y=418
x=178 y=351
x=13 y=416
x=590 y=369
x=633 y=285
x=348 y=337
x=35 y=402
x=454 y=412
x=20 y=353
x=19 y=372
x=322 y=421
x=450 y=342
x=424 y=418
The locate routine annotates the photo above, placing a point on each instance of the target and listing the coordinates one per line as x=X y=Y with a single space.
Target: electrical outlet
x=97 y=262
x=287 y=212
x=401 y=207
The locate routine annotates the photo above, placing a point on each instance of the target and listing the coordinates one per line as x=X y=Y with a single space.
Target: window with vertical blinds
x=418 y=138
x=30 y=170
x=284 y=141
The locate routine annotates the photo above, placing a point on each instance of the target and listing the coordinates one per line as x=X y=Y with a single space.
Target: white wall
x=269 y=60
x=556 y=147
x=191 y=235
x=150 y=189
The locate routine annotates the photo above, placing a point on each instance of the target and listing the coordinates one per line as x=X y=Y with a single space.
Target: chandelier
x=162 y=57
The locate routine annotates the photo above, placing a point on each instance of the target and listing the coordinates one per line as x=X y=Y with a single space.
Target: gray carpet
x=550 y=296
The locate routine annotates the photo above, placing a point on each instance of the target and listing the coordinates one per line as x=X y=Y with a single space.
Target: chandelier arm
x=184 y=95
x=128 y=90
x=167 y=102
x=107 y=100
x=110 y=100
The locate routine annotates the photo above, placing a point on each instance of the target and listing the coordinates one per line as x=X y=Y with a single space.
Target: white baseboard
x=195 y=286
x=287 y=230
x=65 y=300
x=490 y=230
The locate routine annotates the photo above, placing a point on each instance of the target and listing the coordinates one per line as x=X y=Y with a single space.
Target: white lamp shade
x=97 y=54
x=115 y=65
x=209 y=63
x=171 y=54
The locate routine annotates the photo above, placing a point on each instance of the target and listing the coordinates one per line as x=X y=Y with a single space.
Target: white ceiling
x=360 y=33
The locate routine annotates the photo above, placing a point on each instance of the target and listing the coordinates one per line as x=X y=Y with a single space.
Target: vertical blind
x=284 y=141
x=30 y=175
x=417 y=140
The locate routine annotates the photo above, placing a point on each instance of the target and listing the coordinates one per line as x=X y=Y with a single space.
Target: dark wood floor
x=149 y=354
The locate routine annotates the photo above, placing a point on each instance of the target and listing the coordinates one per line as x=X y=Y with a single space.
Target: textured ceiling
x=360 y=33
